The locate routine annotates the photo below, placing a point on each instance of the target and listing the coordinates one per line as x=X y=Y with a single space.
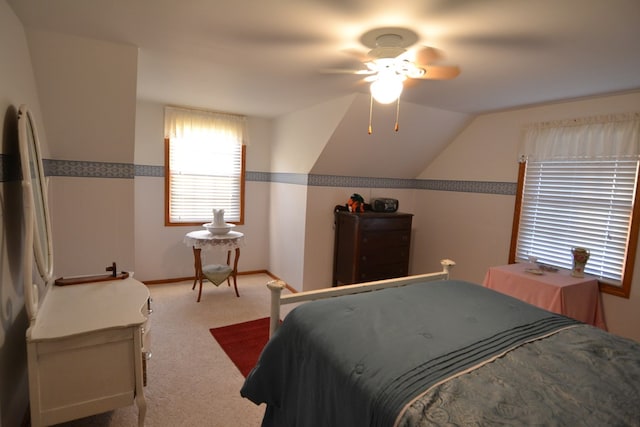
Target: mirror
x=36 y=211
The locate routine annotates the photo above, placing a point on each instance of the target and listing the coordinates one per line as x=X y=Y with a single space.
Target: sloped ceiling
x=332 y=138
x=264 y=59
x=423 y=133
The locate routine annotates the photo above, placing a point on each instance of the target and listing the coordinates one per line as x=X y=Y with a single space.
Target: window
x=204 y=166
x=578 y=188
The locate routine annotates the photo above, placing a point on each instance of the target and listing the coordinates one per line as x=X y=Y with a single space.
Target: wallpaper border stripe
x=76 y=168
x=73 y=168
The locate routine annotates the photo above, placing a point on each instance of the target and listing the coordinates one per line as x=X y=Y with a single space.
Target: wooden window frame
x=624 y=289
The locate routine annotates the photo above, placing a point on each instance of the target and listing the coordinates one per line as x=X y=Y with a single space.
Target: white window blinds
x=205 y=165
x=579 y=190
x=587 y=204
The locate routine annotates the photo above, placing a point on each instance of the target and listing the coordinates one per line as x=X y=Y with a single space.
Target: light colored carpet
x=191 y=381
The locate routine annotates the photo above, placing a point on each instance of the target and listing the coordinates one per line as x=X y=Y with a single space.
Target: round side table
x=202 y=239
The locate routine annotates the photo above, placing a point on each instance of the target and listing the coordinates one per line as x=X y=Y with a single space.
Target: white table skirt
x=202 y=239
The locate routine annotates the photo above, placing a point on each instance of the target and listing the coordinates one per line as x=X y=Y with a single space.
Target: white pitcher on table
x=218 y=217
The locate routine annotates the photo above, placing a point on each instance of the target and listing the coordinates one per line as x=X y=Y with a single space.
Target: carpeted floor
x=191 y=381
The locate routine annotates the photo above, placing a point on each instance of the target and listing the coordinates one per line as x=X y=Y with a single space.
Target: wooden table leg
x=197 y=262
x=235 y=270
x=229 y=264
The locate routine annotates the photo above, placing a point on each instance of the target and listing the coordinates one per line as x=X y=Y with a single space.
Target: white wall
x=17 y=86
x=298 y=140
x=475 y=229
x=320 y=229
x=332 y=139
x=301 y=247
x=300 y=137
x=287 y=222
x=88 y=92
x=472 y=229
x=159 y=250
x=313 y=140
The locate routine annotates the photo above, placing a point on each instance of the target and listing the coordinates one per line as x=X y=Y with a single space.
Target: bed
x=426 y=350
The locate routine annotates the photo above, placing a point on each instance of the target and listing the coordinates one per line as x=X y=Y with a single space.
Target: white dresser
x=87 y=350
x=87 y=344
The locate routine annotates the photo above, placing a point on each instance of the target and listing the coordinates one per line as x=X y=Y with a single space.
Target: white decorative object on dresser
x=88 y=337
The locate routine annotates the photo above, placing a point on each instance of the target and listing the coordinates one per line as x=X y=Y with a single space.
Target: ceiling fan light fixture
x=414 y=72
x=387 y=88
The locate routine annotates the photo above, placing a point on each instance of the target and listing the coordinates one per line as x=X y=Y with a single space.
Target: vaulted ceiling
x=269 y=58
x=264 y=58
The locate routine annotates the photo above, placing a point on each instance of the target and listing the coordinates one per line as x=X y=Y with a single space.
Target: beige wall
x=475 y=229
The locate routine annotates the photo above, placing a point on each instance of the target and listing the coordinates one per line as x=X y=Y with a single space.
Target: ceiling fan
x=391 y=61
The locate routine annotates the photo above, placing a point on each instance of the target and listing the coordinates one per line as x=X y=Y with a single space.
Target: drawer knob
x=146 y=355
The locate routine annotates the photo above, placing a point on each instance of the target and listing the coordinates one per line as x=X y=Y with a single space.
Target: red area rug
x=243 y=342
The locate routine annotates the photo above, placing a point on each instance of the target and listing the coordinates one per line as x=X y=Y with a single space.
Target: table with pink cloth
x=578 y=298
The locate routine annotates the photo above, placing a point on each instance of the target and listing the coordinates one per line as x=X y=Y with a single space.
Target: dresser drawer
x=392 y=255
x=383 y=240
x=390 y=223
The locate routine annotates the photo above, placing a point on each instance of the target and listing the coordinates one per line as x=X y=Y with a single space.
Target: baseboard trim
x=240 y=273
x=164 y=281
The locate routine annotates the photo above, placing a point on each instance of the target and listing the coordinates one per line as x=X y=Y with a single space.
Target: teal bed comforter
x=381 y=358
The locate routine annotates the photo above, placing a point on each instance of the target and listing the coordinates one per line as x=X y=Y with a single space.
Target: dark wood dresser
x=370 y=246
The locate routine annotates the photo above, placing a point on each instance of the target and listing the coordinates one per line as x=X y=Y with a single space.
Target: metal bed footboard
x=277 y=299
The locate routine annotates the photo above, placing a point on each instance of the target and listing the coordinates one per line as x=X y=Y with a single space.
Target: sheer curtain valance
x=182 y=122
x=614 y=136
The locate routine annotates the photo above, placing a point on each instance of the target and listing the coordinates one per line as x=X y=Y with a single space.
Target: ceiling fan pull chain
x=370 y=113
x=397 y=115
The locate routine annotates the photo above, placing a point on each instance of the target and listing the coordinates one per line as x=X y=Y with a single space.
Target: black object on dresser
x=371 y=246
